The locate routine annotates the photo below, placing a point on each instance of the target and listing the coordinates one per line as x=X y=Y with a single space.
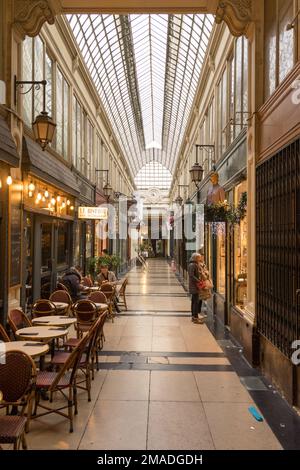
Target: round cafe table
x=54 y=320
x=101 y=307
x=61 y=305
x=33 y=349
x=41 y=333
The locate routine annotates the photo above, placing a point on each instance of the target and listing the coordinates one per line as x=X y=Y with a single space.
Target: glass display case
x=240 y=253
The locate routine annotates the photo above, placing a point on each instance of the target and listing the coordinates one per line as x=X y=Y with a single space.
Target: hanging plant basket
x=224 y=212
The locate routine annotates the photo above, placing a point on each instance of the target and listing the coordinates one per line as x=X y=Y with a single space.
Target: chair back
x=98 y=297
x=73 y=362
x=60 y=286
x=61 y=296
x=43 y=308
x=85 y=311
x=123 y=286
x=3 y=335
x=17 y=375
x=108 y=289
x=17 y=320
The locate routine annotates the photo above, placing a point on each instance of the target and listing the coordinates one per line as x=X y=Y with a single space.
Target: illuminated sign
x=95 y=213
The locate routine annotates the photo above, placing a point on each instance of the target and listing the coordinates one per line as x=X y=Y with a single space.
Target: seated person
x=72 y=280
x=106 y=276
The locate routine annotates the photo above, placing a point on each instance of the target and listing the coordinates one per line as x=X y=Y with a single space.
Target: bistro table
x=54 y=320
x=61 y=305
x=33 y=349
x=45 y=334
x=101 y=307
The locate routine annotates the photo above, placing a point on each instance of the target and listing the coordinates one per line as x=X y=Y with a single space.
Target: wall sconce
x=9 y=180
x=43 y=126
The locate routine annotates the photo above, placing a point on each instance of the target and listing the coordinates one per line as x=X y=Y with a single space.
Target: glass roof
x=146 y=69
x=152 y=175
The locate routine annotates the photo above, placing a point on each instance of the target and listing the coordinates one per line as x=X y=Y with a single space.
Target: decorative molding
x=30 y=15
x=75 y=64
x=237 y=14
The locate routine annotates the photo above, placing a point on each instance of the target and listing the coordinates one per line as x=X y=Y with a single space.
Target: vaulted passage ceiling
x=146 y=69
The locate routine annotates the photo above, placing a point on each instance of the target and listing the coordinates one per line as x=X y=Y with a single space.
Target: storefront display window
x=240 y=254
x=220 y=234
x=88 y=240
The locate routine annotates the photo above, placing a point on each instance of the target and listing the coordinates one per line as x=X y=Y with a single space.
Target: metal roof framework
x=146 y=69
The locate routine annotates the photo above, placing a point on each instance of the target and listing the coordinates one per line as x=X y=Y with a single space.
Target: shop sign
x=93 y=213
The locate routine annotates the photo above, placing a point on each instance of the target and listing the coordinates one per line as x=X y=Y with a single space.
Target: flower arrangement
x=225 y=212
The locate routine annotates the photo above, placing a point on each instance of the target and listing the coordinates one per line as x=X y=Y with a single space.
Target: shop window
x=279 y=43
x=62 y=243
x=221 y=257
x=240 y=254
x=62 y=114
x=46 y=247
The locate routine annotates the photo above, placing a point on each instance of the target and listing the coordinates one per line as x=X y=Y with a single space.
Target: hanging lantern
x=43 y=129
x=108 y=190
x=196 y=173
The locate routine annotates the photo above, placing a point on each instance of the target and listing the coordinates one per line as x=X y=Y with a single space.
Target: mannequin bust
x=216 y=193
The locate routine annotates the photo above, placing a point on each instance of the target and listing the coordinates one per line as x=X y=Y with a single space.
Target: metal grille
x=278 y=248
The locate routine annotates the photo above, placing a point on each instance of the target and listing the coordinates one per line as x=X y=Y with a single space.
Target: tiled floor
x=165 y=383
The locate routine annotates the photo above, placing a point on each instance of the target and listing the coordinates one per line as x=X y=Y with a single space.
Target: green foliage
x=224 y=212
x=111 y=261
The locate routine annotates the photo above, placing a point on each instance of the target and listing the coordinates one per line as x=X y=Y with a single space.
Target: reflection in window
x=62 y=243
x=46 y=247
x=279 y=43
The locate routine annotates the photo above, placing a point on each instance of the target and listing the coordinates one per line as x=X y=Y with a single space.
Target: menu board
x=15 y=235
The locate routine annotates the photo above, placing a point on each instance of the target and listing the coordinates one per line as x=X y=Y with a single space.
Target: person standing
x=198 y=276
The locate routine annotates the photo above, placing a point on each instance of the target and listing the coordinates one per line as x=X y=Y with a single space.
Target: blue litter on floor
x=255 y=413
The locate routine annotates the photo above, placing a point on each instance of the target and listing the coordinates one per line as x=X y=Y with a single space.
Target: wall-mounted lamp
x=9 y=180
x=196 y=172
x=43 y=126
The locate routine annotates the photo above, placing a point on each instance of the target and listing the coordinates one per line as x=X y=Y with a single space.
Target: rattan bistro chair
x=98 y=297
x=86 y=312
x=43 y=308
x=122 y=293
x=62 y=296
x=17 y=320
x=63 y=381
x=110 y=293
x=17 y=381
x=3 y=335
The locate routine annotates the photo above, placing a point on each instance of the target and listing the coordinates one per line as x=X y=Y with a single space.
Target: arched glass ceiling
x=146 y=69
x=153 y=175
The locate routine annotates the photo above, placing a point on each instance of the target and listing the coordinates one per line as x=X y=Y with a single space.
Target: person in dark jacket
x=72 y=281
x=195 y=277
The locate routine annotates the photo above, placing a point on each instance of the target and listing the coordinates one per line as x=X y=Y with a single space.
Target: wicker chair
x=17 y=379
x=86 y=363
x=63 y=381
x=3 y=335
x=98 y=297
x=86 y=312
x=61 y=286
x=110 y=293
x=122 y=293
x=62 y=296
x=17 y=320
x=43 y=308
